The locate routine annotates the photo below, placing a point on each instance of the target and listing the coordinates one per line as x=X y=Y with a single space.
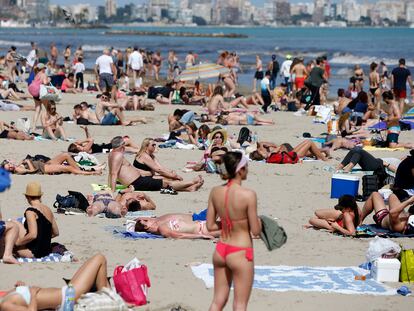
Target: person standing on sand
x=299 y=72
x=274 y=68
x=258 y=75
x=189 y=60
x=285 y=72
x=54 y=53
x=136 y=64
x=105 y=71
x=399 y=77
x=316 y=79
x=236 y=206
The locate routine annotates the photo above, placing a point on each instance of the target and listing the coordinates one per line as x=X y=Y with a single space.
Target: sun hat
x=288 y=56
x=222 y=131
x=117 y=142
x=33 y=189
x=40 y=66
x=346 y=201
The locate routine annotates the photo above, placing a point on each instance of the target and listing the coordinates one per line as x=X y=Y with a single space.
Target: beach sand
x=289 y=192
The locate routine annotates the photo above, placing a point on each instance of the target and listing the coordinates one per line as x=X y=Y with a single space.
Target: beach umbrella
x=202 y=71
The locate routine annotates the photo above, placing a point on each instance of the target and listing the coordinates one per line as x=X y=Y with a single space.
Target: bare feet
x=10 y=260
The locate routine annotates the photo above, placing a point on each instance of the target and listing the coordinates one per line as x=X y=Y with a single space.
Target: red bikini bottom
x=225 y=249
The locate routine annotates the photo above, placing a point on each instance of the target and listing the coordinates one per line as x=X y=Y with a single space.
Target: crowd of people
x=231 y=215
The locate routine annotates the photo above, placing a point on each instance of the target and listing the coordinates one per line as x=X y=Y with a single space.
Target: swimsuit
x=373 y=90
x=224 y=249
x=174 y=225
x=23 y=291
x=40 y=246
x=106 y=199
x=4 y=134
x=147 y=183
x=380 y=215
x=142 y=166
x=250 y=119
x=393 y=133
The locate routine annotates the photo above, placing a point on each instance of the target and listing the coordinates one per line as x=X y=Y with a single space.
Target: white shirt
x=104 y=63
x=285 y=70
x=135 y=61
x=78 y=67
x=31 y=58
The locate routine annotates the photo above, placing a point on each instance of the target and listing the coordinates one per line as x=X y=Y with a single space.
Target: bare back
x=127 y=173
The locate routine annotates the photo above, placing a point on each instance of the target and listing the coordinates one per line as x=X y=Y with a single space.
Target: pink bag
x=34 y=87
x=132 y=285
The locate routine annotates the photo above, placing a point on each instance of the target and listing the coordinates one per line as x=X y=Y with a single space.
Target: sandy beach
x=289 y=192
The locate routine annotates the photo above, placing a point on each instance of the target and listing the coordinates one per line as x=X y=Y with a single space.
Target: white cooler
x=386 y=270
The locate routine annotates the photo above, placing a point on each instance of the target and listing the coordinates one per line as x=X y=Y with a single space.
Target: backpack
x=73 y=200
x=369 y=185
x=283 y=158
x=5 y=181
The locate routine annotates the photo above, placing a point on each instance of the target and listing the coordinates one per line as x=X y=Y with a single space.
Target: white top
x=135 y=60
x=285 y=70
x=104 y=63
x=78 y=67
x=31 y=58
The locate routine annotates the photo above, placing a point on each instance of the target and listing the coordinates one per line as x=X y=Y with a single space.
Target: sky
x=123 y=2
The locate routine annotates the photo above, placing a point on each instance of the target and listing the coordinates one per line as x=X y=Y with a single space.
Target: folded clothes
x=369 y=231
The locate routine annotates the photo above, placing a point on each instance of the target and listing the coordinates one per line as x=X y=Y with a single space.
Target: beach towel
x=121 y=233
x=382 y=125
x=53 y=257
x=373 y=148
x=409 y=114
x=369 y=231
x=102 y=187
x=308 y=279
x=138 y=214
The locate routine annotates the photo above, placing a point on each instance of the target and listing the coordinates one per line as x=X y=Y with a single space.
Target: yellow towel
x=373 y=148
x=102 y=187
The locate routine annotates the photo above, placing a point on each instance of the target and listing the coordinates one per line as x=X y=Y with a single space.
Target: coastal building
x=318 y=15
x=410 y=12
x=110 y=8
x=37 y=9
x=202 y=10
x=351 y=11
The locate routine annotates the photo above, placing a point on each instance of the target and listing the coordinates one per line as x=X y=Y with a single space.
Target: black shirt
x=404 y=178
x=400 y=77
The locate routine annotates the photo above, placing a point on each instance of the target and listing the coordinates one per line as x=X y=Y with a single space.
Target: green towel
x=273 y=235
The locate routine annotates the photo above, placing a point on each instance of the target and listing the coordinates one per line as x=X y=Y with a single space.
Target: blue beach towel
x=308 y=279
x=369 y=231
x=121 y=233
x=49 y=258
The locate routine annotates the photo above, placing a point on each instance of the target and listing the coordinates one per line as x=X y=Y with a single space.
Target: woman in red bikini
x=343 y=219
x=236 y=206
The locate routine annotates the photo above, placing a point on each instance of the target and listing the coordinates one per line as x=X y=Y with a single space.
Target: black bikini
x=40 y=246
x=142 y=166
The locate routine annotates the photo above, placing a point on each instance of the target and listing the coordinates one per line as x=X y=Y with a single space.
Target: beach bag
x=382 y=248
x=369 y=185
x=23 y=124
x=104 y=300
x=132 y=282
x=73 y=200
x=5 y=181
x=34 y=88
x=323 y=114
x=49 y=92
x=283 y=158
x=407 y=266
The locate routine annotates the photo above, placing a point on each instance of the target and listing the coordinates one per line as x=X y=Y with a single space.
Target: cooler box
x=386 y=270
x=344 y=184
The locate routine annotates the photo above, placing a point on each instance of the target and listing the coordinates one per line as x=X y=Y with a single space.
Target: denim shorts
x=109 y=119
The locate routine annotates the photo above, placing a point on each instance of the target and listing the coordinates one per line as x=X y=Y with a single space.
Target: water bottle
x=69 y=298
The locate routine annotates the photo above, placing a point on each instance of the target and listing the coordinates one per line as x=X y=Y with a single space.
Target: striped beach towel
x=53 y=257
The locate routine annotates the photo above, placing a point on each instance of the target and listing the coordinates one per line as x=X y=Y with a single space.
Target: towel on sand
x=369 y=231
x=53 y=257
x=308 y=279
x=120 y=232
x=373 y=148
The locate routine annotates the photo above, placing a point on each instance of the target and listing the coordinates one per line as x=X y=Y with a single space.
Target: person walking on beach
x=299 y=72
x=136 y=64
x=105 y=71
x=32 y=56
x=53 y=54
x=399 y=77
x=258 y=75
x=189 y=60
x=274 y=68
x=236 y=206
x=316 y=79
x=11 y=64
x=285 y=72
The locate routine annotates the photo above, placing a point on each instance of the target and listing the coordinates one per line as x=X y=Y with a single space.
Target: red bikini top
x=228 y=224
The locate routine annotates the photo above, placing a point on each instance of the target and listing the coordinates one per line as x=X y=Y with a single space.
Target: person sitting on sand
x=68 y=84
x=344 y=218
x=394 y=218
x=10 y=132
x=174 y=120
x=9 y=233
x=40 y=227
x=304 y=149
x=240 y=118
x=114 y=114
x=92 y=274
x=254 y=99
x=52 y=123
x=121 y=170
x=217 y=103
x=404 y=176
x=61 y=164
x=342 y=102
x=148 y=165
x=88 y=145
x=176 y=226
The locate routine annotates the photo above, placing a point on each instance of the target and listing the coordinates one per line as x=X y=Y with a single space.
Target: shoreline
x=175 y=34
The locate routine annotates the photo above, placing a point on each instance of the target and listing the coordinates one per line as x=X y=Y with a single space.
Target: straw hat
x=222 y=131
x=33 y=189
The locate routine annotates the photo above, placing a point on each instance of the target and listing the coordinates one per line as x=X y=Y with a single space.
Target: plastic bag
x=134 y=263
x=380 y=246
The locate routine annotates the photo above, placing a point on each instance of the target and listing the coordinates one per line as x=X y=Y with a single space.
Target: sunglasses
x=154 y=145
x=104 y=97
x=218 y=136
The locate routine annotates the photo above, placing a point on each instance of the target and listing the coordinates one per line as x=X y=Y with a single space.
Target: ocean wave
x=351 y=59
x=15 y=43
x=94 y=48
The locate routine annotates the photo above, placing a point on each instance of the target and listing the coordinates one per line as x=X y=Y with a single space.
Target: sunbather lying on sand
x=10 y=132
x=394 y=218
x=304 y=149
x=61 y=164
x=240 y=118
x=344 y=218
x=92 y=275
x=176 y=226
x=88 y=145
